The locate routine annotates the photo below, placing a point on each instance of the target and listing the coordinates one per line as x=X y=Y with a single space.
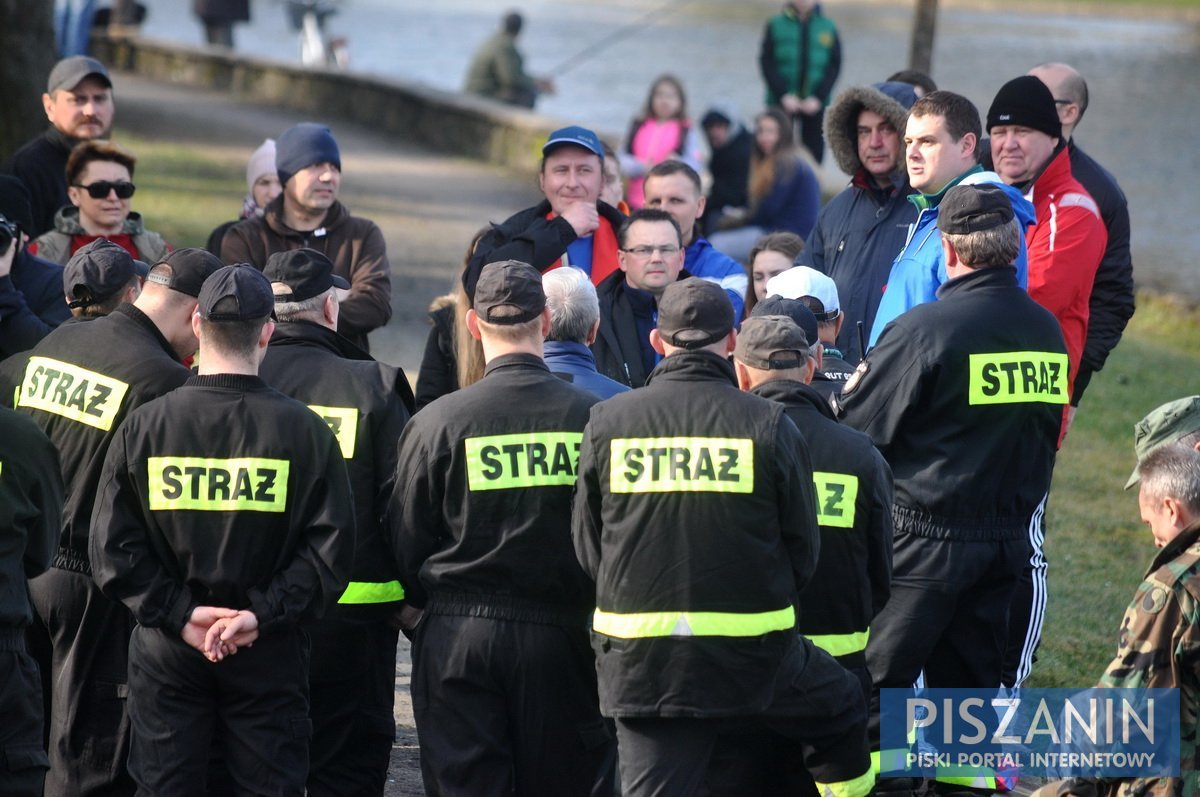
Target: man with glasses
x=79 y=105
x=650 y=258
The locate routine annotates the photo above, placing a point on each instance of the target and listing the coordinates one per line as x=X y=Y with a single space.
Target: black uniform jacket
x=693 y=497
x=853 y=488
x=31 y=499
x=482 y=508
x=366 y=404
x=530 y=237
x=41 y=164
x=79 y=384
x=223 y=493
x=963 y=397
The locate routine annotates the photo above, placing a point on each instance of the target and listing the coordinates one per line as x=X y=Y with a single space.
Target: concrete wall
x=452 y=123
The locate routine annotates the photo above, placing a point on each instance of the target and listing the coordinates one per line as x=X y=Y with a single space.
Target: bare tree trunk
x=26 y=55
x=920 y=55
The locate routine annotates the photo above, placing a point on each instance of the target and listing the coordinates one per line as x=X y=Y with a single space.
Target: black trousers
x=23 y=761
x=947 y=615
x=811 y=133
x=251 y=710
x=89 y=653
x=352 y=692
x=507 y=707
x=818 y=708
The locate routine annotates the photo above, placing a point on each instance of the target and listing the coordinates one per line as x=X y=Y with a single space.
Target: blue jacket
x=701 y=260
x=792 y=203
x=919 y=270
x=31 y=303
x=568 y=358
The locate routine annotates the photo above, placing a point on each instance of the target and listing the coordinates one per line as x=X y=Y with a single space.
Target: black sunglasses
x=100 y=189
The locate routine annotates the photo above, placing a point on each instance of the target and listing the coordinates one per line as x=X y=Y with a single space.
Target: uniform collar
x=145 y=322
x=980 y=278
x=306 y=333
x=692 y=365
x=516 y=361
x=791 y=393
x=228 y=382
x=1175 y=547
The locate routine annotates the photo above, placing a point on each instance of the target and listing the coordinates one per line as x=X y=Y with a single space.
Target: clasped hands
x=218 y=632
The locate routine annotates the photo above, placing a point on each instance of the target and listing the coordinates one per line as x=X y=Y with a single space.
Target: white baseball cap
x=801 y=281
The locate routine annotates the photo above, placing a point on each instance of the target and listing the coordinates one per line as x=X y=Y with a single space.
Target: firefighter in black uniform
x=694 y=513
x=79 y=384
x=503 y=683
x=31 y=500
x=353 y=671
x=963 y=397
x=224 y=520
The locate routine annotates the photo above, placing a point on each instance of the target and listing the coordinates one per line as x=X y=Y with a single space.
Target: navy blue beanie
x=303 y=145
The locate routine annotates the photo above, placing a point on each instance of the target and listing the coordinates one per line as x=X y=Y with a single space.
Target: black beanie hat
x=303 y=145
x=1025 y=101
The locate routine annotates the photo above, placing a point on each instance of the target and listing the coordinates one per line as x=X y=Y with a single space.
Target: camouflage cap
x=1166 y=424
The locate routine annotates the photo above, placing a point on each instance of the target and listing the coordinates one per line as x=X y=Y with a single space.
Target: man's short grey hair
x=574 y=306
x=311 y=309
x=1173 y=471
x=998 y=246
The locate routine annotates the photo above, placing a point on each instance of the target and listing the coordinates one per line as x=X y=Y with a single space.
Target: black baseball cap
x=511 y=284
x=190 y=267
x=792 y=308
x=694 y=313
x=244 y=283
x=770 y=342
x=97 y=271
x=974 y=208
x=306 y=272
x=69 y=72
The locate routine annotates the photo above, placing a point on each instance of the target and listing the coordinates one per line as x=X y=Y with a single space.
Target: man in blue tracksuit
x=940 y=149
x=675 y=187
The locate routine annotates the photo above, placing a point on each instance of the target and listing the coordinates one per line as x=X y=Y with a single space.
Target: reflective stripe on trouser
x=983 y=778
x=359 y=592
x=849 y=788
x=640 y=625
x=841 y=644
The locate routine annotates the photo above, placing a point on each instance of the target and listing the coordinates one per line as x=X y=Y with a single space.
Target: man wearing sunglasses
x=650 y=256
x=79 y=105
x=100 y=175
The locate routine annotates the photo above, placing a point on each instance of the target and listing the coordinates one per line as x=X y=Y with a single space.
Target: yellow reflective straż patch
x=681 y=465
x=1018 y=377
x=218 y=485
x=72 y=392
x=837 y=494
x=343 y=421
x=530 y=459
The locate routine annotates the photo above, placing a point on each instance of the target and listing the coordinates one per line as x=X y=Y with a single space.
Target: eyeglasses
x=1063 y=102
x=645 y=251
x=100 y=189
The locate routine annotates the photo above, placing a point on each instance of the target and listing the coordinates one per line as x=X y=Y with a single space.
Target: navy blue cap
x=244 y=283
x=575 y=136
x=793 y=309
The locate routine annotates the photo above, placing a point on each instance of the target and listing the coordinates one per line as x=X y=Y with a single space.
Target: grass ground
x=1097 y=546
x=181 y=194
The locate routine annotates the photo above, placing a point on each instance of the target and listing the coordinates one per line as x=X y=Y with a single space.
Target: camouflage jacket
x=1159 y=647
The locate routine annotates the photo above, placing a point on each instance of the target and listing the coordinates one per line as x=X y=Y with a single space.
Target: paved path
x=428 y=206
